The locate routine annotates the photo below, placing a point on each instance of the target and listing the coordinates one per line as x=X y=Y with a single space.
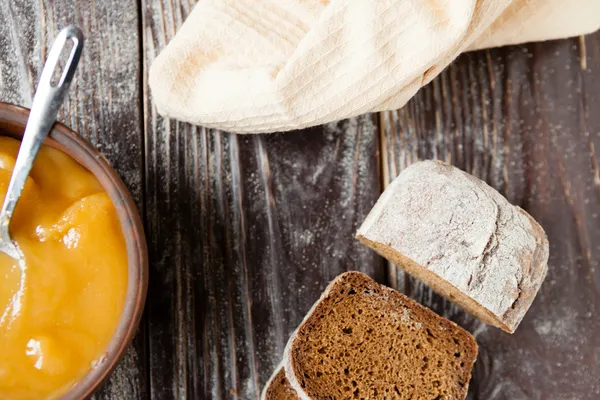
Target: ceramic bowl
x=12 y=123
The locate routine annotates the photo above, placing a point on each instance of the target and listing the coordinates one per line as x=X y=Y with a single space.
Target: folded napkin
x=254 y=66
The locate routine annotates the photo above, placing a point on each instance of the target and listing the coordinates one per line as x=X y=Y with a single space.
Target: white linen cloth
x=252 y=66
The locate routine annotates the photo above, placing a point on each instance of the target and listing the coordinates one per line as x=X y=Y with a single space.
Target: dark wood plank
x=245 y=232
x=527 y=120
x=104 y=103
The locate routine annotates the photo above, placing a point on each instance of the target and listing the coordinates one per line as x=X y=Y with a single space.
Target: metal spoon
x=46 y=103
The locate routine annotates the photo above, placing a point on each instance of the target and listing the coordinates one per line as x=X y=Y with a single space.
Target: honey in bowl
x=60 y=309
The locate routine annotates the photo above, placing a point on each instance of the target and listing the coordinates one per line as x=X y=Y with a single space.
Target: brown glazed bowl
x=12 y=123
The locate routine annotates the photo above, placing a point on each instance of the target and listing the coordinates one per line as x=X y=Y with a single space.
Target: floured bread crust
x=461 y=237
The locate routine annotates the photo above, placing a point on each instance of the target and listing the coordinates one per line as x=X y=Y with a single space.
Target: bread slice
x=462 y=238
x=278 y=387
x=362 y=340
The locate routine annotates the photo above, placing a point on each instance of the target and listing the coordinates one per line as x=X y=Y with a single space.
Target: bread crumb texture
x=366 y=341
x=279 y=388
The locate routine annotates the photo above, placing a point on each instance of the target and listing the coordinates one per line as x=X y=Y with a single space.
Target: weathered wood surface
x=104 y=103
x=525 y=119
x=245 y=231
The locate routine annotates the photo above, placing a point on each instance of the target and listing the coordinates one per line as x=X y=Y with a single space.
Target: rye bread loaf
x=462 y=238
x=362 y=340
x=278 y=387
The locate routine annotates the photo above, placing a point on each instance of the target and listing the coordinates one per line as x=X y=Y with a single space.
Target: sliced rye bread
x=462 y=238
x=362 y=340
x=278 y=387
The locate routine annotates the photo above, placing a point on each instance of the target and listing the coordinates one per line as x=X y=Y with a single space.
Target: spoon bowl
x=7 y=246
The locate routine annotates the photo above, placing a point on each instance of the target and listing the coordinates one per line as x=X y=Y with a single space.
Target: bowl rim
x=66 y=140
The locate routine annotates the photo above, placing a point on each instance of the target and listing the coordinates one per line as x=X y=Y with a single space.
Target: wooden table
x=244 y=232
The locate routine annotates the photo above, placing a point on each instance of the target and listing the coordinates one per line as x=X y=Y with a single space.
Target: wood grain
x=104 y=103
x=245 y=232
x=525 y=120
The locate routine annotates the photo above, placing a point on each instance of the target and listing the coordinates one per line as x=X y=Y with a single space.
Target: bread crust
x=463 y=238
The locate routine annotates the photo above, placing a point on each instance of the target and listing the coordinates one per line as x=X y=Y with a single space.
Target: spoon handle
x=46 y=103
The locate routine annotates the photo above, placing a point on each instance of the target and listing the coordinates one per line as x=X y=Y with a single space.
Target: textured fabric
x=253 y=66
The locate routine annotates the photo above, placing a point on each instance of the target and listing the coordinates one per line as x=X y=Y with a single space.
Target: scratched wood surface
x=525 y=119
x=244 y=232
x=104 y=103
